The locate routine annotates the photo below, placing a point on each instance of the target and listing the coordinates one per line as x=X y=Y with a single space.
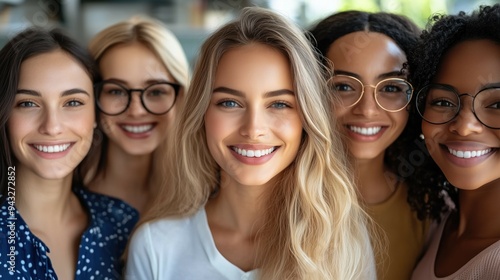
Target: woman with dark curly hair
x=369 y=52
x=456 y=68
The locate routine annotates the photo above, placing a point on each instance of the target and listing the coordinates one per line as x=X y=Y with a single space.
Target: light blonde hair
x=314 y=226
x=163 y=43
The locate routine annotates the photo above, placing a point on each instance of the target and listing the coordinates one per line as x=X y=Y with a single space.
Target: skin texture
x=135 y=66
x=54 y=105
x=253 y=107
x=370 y=57
x=51 y=111
x=475 y=226
x=468 y=71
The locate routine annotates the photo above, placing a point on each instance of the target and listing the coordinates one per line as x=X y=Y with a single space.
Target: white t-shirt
x=179 y=249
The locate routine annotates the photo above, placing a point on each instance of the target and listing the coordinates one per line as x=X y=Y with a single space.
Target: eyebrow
x=268 y=94
x=147 y=82
x=64 y=93
x=381 y=76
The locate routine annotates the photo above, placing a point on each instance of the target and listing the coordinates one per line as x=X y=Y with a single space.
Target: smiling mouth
x=469 y=154
x=253 y=153
x=52 y=148
x=368 y=131
x=137 y=128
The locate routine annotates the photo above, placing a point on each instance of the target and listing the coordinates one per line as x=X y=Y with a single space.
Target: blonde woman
x=258 y=185
x=145 y=75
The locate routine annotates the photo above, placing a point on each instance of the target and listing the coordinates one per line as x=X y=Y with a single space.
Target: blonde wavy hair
x=314 y=226
x=163 y=43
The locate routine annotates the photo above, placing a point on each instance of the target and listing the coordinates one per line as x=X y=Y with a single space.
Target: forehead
x=54 y=71
x=254 y=66
x=470 y=64
x=366 y=54
x=132 y=62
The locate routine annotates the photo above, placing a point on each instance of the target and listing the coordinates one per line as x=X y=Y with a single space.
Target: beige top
x=483 y=266
x=405 y=234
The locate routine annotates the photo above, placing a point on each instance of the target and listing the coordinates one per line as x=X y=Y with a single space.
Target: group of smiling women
x=363 y=148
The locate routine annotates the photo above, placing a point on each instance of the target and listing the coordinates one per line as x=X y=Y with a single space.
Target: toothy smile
x=52 y=148
x=137 y=128
x=253 y=153
x=365 y=130
x=468 y=154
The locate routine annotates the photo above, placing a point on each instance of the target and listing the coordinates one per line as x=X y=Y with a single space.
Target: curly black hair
x=406 y=154
x=443 y=32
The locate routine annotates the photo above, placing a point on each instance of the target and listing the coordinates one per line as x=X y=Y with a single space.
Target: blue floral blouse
x=24 y=256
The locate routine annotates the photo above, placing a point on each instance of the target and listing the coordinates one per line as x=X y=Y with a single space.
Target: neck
x=128 y=172
x=478 y=216
x=126 y=177
x=375 y=182
x=238 y=208
x=43 y=202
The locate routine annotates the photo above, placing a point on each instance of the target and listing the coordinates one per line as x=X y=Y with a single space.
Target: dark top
x=24 y=256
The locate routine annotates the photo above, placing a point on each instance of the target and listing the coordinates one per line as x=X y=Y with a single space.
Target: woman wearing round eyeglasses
x=368 y=52
x=457 y=72
x=145 y=75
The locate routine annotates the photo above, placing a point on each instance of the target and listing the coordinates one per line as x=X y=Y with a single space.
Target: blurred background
x=193 y=20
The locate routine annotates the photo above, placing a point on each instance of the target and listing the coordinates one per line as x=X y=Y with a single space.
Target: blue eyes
x=27 y=104
x=280 y=105
x=228 y=104
x=234 y=104
x=32 y=104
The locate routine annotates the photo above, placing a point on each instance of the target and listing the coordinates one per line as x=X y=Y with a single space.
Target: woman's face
x=51 y=126
x=252 y=124
x=134 y=66
x=464 y=149
x=369 y=57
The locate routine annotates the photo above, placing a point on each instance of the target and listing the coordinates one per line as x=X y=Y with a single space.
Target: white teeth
x=253 y=153
x=137 y=128
x=52 y=149
x=468 y=154
x=365 y=130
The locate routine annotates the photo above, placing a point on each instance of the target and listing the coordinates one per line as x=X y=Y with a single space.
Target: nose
x=466 y=122
x=136 y=109
x=254 y=124
x=51 y=123
x=367 y=106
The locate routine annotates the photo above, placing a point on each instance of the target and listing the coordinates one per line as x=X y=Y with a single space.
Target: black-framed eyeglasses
x=392 y=94
x=440 y=104
x=114 y=98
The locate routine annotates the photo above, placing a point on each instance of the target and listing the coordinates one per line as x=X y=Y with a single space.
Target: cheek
x=215 y=126
x=430 y=133
x=107 y=122
x=400 y=118
x=290 y=129
x=19 y=127
x=340 y=111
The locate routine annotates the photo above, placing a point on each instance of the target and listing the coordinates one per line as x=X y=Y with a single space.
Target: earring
x=422 y=136
x=95 y=125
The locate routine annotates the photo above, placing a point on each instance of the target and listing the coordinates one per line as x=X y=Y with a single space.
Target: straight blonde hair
x=314 y=226
x=163 y=43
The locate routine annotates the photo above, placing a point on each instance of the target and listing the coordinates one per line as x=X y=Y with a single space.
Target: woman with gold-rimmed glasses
x=367 y=53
